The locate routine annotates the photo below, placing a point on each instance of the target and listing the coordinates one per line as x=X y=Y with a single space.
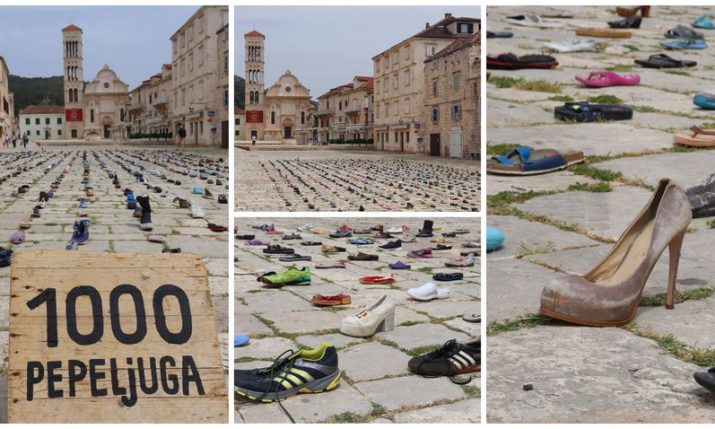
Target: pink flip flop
x=602 y=79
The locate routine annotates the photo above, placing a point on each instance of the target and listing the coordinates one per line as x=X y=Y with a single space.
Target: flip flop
x=524 y=161
x=699 y=138
x=662 y=61
x=585 y=112
x=704 y=100
x=448 y=277
x=510 y=61
x=683 y=43
x=603 y=79
x=495 y=238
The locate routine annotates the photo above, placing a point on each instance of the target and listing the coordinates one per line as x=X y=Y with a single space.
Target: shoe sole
x=324 y=384
x=586 y=322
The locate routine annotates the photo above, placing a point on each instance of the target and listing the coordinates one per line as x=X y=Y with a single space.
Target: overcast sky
x=132 y=40
x=326 y=46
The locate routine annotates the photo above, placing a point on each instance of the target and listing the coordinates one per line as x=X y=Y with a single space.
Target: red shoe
x=328 y=301
x=378 y=280
x=345 y=228
x=217 y=228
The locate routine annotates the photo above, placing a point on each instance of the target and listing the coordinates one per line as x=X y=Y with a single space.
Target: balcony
x=323 y=112
x=160 y=102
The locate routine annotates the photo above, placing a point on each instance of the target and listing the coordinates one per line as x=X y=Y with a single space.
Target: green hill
x=36 y=90
x=239 y=92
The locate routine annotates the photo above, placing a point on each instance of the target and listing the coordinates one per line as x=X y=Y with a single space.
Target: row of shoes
x=317 y=370
x=324 y=183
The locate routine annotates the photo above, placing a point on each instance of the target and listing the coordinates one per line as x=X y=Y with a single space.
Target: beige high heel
x=610 y=293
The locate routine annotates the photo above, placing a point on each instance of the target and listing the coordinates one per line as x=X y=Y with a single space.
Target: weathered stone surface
x=409 y=391
x=589 y=375
x=602 y=214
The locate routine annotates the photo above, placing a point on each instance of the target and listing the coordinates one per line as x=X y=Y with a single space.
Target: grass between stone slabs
x=526 y=321
x=644 y=109
x=500 y=204
x=501 y=148
x=687 y=295
x=677 y=348
x=525 y=250
x=604 y=99
x=590 y=187
x=621 y=68
x=585 y=169
x=563 y=98
x=539 y=85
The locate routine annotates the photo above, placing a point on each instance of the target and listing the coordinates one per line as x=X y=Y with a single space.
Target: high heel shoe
x=378 y=317
x=610 y=293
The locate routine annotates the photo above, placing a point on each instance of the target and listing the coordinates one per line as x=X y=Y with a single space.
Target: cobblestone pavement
x=113 y=229
x=376 y=384
x=331 y=180
x=565 y=222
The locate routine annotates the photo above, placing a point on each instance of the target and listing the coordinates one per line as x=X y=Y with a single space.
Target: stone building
x=149 y=106
x=42 y=122
x=196 y=91
x=239 y=119
x=275 y=114
x=452 y=103
x=222 y=89
x=7 y=102
x=96 y=111
x=345 y=113
x=399 y=94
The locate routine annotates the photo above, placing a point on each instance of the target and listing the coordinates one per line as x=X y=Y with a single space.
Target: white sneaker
x=380 y=316
x=396 y=230
x=196 y=210
x=428 y=292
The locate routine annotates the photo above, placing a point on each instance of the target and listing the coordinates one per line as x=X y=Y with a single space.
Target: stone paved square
x=113 y=228
x=342 y=180
x=377 y=385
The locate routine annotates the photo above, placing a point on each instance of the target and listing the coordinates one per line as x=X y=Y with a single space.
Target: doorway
x=224 y=134
x=434 y=144
x=107 y=132
x=455 y=143
x=287 y=132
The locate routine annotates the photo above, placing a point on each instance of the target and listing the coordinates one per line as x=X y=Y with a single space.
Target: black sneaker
x=341 y=234
x=392 y=245
x=449 y=360
x=304 y=371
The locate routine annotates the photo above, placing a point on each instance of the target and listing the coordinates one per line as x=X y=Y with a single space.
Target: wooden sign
x=113 y=338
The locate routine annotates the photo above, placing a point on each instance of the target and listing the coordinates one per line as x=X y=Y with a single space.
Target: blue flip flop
x=495 y=238
x=704 y=22
x=684 y=44
x=197 y=190
x=240 y=340
x=704 y=101
x=361 y=240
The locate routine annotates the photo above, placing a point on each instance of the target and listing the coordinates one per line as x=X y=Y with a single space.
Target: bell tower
x=73 y=82
x=254 y=69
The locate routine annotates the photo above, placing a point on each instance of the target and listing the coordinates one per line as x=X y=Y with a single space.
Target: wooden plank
x=47 y=280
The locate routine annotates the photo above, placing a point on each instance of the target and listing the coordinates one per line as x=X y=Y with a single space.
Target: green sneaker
x=293 y=276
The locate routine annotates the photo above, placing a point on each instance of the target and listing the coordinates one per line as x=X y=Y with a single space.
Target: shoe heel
x=388 y=324
x=674 y=251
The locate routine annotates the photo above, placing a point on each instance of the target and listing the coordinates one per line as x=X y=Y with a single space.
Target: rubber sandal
x=331 y=300
x=586 y=112
x=524 y=161
x=448 y=277
x=472 y=318
x=240 y=340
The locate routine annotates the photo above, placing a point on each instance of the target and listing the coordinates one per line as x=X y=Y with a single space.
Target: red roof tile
x=35 y=109
x=254 y=33
x=71 y=27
